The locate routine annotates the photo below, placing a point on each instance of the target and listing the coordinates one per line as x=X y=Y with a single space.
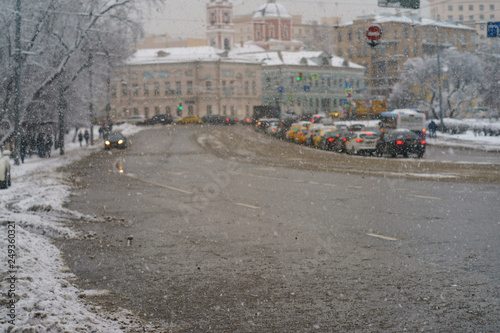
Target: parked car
x=362 y=142
x=5 y=180
x=356 y=127
x=136 y=119
x=115 y=140
x=189 y=120
x=400 y=142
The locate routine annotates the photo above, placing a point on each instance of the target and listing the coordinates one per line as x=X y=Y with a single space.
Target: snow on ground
x=38 y=280
x=46 y=300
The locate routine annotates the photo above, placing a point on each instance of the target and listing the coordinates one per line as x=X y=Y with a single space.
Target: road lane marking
x=299 y=181
x=159 y=185
x=245 y=205
x=424 y=197
x=382 y=237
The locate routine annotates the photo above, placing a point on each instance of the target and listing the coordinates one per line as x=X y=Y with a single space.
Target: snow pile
x=39 y=280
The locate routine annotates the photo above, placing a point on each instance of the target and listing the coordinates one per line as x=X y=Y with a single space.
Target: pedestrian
x=432 y=129
x=48 y=145
x=40 y=142
x=101 y=131
x=80 y=138
x=23 y=148
x=86 y=136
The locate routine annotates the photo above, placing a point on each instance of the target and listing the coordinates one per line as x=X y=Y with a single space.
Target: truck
x=404 y=119
x=369 y=109
x=266 y=111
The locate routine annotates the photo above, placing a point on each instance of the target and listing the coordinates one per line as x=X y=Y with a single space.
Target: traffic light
x=300 y=77
x=180 y=106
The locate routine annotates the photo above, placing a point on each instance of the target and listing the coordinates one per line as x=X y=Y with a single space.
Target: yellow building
x=402 y=38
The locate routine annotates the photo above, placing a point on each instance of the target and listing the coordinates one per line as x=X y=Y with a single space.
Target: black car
x=115 y=140
x=163 y=119
x=212 y=119
x=229 y=120
x=400 y=142
x=328 y=140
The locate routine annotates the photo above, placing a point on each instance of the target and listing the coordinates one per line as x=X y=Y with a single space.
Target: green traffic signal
x=180 y=106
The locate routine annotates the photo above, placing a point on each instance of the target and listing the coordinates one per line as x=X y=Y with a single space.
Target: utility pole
x=62 y=108
x=91 y=107
x=441 y=114
x=17 y=85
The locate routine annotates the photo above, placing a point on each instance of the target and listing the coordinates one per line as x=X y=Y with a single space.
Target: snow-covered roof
x=301 y=58
x=184 y=54
x=272 y=9
x=389 y=18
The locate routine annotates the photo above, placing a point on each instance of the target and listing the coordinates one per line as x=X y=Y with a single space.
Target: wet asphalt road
x=203 y=243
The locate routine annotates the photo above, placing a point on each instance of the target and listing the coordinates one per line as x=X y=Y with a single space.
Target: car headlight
x=107 y=143
x=120 y=142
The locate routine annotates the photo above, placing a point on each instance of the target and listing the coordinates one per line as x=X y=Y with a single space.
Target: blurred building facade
x=402 y=38
x=474 y=13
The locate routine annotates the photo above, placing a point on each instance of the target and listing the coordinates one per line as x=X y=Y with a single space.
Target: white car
x=5 y=169
x=136 y=119
x=362 y=142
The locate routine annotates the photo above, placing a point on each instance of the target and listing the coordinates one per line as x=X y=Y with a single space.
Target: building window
x=285 y=32
x=481 y=26
x=146 y=112
x=113 y=90
x=481 y=17
x=224 y=110
x=471 y=7
x=168 y=90
x=340 y=52
x=405 y=33
x=460 y=17
x=450 y=8
x=360 y=52
x=415 y=51
x=247 y=86
x=145 y=89
x=226 y=18
x=450 y=18
x=254 y=88
x=209 y=109
x=359 y=34
x=124 y=89
x=178 y=87
x=481 y=7
x=136 y=111
x=233 y=110
x=492 y=16
x=492 y=7
x=350 y=52
x=208 y=85
x=190 y=87
x=406 y=51
x=156 y=86
x=167 y=109
x=135 y=89
x=271 y=32
x=349 y=35
x=247 y=110
x=340 y=36
x=157 y=110
x=212 y=18
x=460 y=7
x=190 y=110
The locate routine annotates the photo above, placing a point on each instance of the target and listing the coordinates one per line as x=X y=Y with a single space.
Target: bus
x=404 y=119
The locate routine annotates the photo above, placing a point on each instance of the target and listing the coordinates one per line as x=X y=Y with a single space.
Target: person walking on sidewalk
x=80 y=138
x=87 y=137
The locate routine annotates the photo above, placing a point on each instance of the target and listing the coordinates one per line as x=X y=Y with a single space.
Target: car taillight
x=359 y=140
x=344 y=139
x=422 y=142
x=248 y=119
x=227 y=119
x=235 y=119
x=330 y=139
x=399 y=142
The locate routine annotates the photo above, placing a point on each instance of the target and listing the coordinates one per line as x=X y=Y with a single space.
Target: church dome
x=271 y=9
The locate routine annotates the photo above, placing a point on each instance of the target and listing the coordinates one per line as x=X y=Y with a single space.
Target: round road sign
x=374 y=32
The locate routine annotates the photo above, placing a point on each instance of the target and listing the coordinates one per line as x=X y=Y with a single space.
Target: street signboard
x=413 y=4
x=347 y=85
x=492 y=29
x=348 y=92
x=307 y=88
x=281 y=90
x=374 y=32
x=314 y=77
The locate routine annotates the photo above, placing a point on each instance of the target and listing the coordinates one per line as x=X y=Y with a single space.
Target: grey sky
x=186 y=18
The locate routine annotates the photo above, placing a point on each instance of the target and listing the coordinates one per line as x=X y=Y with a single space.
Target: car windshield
x=284 y=166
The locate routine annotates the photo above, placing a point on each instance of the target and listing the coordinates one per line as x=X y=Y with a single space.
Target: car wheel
x=379 y=153
x=420 y=155
x=405 y=154
x=353 y=151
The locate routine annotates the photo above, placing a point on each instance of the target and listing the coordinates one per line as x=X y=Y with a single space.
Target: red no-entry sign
x=374 y=32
